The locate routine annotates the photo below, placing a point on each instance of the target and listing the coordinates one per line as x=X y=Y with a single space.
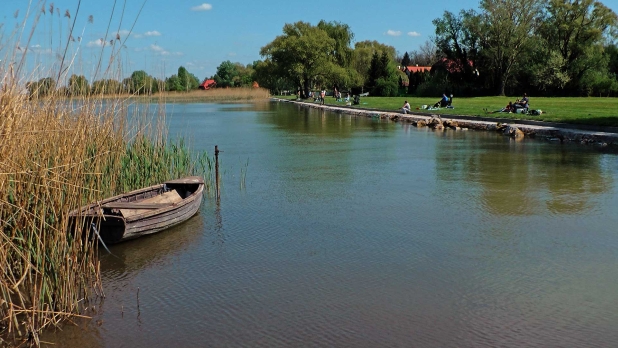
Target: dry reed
x=55 y=156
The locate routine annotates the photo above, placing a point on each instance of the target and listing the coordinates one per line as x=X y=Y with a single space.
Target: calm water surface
x=355 y=232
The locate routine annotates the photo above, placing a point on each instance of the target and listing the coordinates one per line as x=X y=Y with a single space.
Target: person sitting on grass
x=442 y=102
x=522 y=104
x=510 y=107
x=406 y=107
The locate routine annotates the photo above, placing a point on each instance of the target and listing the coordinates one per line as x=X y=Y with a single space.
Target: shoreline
x=562 y=132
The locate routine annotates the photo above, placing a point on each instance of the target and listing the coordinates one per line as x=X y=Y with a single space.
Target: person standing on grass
x=322 y=96
x=406 y=107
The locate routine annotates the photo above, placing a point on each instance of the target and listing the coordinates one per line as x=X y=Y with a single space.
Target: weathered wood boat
x=141 y=212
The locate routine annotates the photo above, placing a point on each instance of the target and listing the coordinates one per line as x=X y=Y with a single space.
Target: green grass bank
x=586 y=111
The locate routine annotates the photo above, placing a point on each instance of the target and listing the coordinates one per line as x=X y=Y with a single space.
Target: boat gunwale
x=80 y=212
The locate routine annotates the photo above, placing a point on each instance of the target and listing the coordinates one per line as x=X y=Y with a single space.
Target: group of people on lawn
x=445 y=101
x=520 y=106
x=319 y=96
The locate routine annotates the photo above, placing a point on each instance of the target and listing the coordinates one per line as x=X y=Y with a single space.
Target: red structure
x=413 y=69
x=207 y=84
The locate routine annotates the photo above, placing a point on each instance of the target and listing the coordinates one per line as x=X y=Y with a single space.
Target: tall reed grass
x=55 y=156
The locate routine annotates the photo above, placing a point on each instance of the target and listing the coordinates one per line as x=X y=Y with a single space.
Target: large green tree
x=573 y=34
x=226 y=73
x=364 y=52
x=141 y=83
x=505 y=29
x=265 y=73
x=307 y=54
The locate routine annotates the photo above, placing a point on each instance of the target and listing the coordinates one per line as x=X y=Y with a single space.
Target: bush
x=386 y=87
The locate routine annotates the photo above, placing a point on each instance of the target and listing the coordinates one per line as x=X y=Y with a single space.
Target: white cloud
x=232 y=54
x=97 y=43
x=393 y=32
x=152 y=33
x=414 y=33
x=158 y=50
x=202 y=7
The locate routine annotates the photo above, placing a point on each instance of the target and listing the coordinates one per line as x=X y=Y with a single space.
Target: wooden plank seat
x=128 y=209
x=135 y=205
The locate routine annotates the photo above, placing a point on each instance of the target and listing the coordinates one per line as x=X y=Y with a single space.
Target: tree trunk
x=306 y=88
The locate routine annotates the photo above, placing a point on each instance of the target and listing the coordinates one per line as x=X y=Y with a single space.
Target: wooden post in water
x=217 y=172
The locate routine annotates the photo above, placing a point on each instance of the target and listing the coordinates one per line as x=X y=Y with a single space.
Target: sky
x=161 y=35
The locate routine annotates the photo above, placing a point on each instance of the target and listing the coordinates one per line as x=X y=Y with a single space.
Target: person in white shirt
x=406 y=107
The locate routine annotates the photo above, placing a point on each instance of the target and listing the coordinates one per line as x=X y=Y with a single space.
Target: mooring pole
x=217 y=171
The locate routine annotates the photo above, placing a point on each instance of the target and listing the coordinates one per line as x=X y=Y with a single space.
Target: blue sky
x=200 y=35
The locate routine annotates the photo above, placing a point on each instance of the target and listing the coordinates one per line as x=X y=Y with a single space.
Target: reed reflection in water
x=355 y=232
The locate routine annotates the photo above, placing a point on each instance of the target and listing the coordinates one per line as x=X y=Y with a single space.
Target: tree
x=405 y=61
x=426 y=55
x=41 y=88
x=141 y=83
x=343 y=36
x=457 y=41
x=504 y=28
x=78 y=85
x=575 y=30
x=302 y=54
x=266 y=76
x=187 y=80
x=362 y=59
x=226 y=72
x=107 y=86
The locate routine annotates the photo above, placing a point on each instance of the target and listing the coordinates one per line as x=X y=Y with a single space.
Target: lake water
x=336 y=231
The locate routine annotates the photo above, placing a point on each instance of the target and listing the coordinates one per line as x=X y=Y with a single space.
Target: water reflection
x=527 y=177
x=127 y=259
x=322 y=122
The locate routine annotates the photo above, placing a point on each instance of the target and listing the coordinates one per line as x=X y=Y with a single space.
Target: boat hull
x=139 y=218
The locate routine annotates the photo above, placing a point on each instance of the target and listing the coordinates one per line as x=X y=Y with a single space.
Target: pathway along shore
x=560 y=132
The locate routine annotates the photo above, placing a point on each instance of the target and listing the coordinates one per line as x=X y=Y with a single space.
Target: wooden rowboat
x=141 y=212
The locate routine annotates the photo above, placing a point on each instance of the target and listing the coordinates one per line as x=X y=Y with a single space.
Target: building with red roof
x=207 y=84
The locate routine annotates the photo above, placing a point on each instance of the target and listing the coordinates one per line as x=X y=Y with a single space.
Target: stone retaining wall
x=440 y=123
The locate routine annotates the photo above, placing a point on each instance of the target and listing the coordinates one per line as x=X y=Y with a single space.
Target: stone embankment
x=513 y=128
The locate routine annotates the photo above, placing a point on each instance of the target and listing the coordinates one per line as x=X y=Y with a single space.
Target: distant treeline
x=228 y=75
x=544 y=47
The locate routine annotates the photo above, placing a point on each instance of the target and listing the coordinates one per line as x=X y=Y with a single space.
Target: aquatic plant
x=57 y=154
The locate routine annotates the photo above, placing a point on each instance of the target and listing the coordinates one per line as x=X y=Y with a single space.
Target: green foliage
x=575 y=31
x=245 y=76
x=265 y=75
x=182 y=82
x=343 y=36
x=78 y=85
x=141 y=83
x=405 y=61
x=226 y=73
x=386 y=87
x=41 y=88
x=362 y=58
x=306 y=55
x=107 y=86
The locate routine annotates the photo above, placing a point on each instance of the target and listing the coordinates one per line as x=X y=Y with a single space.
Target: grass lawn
x=590 y=111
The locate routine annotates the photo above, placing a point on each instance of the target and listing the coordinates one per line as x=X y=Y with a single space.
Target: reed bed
x=57 y=155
